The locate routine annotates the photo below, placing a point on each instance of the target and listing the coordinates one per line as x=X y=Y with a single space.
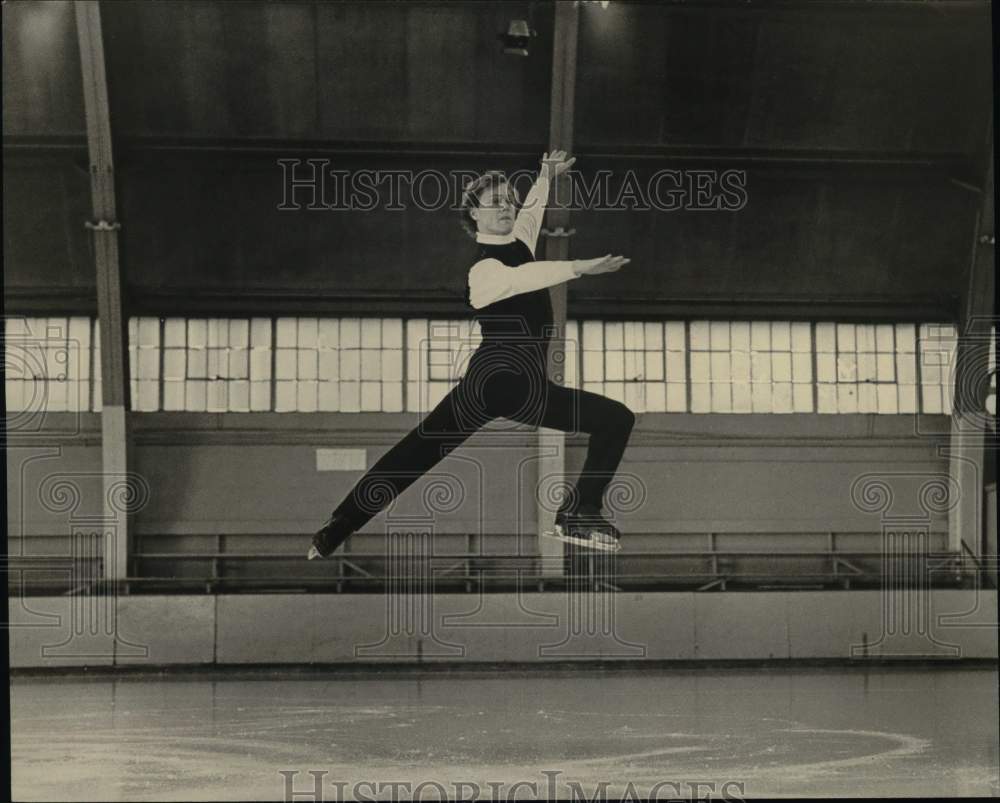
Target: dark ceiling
x=862 y=130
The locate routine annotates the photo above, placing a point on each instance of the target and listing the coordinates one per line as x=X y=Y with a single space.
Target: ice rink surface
x=851 y=731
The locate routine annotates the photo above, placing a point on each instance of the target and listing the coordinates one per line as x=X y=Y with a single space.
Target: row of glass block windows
x=391 y=364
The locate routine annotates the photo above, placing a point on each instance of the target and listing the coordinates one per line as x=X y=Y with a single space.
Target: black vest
x=508 y=372
x=526 y=317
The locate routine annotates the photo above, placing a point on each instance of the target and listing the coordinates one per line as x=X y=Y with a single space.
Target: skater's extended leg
x=444 y=428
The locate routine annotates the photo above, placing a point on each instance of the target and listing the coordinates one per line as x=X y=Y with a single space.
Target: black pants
x=525 y=396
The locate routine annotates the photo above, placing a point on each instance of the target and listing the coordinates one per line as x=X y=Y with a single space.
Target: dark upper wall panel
x=206 y=228
x=891 y=79
x=211 y=223
x=810 y=236
x=393 y=72
x=45 y=245
x=807 y=236
x=42 y=89
x=211 y=69
x=430 y=72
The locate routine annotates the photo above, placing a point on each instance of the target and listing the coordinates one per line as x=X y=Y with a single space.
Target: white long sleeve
x=529 y=219
x=491 y=281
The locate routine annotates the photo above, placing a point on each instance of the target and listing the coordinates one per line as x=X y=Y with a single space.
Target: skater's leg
x=609 y=424
x=444 y=428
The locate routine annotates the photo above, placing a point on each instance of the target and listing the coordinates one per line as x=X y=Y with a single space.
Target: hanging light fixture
x=517 y=38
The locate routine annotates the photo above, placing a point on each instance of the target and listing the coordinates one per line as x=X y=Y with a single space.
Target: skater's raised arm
x=491 y=281
x=529 y=220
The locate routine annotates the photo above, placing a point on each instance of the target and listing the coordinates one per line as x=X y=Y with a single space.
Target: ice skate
x=587 y=528
x=329 y=537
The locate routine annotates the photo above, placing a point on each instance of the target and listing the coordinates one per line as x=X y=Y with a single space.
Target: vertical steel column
x=114 y=353
x=968 y=419
x=552 y=443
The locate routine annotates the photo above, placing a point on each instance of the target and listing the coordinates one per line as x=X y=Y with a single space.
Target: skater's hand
x=555 y=164
x=604 y=264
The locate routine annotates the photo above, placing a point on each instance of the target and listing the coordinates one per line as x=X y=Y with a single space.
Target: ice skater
x=506 y=376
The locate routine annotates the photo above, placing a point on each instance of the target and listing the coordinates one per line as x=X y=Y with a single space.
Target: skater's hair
x=472 y=191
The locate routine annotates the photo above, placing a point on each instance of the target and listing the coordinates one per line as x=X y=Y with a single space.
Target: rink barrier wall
x=555 y=627
x=242 y=476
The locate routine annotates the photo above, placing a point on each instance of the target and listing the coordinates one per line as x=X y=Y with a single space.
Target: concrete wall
x=243 y=474
x=372 y=628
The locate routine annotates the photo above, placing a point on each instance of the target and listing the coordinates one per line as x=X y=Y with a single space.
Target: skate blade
x=588 y=543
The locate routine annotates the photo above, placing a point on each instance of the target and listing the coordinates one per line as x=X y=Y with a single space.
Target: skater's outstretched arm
x=491 y=281
x=529 y=219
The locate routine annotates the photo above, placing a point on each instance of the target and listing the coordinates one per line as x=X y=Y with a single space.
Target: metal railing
x=368 y=572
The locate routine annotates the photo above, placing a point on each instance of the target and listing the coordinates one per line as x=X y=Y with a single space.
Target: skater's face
x=496 y=210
